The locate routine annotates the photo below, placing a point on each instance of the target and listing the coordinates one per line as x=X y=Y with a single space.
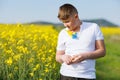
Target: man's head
x=68 y=14
x=66 y=11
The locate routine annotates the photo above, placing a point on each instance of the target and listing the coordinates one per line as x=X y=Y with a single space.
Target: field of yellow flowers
x=110 y=30
x=27 y=52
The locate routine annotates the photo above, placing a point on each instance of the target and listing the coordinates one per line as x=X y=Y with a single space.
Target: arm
x=99 y=52
x=61 y=57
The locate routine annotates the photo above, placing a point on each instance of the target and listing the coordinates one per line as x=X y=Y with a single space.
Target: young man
x=79 y=44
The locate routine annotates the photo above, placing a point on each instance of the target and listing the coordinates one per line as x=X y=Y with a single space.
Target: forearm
x=100 y=50
x=58 y=58
x=95 y=54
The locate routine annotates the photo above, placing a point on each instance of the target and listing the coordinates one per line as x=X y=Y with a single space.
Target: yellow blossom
x=31 y=74
x=20 y=41
x=46 y=70
x=9 y=61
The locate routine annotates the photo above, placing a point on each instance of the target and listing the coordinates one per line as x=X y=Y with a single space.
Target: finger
x=77 y=59
x=74 y=60
x=68 y=62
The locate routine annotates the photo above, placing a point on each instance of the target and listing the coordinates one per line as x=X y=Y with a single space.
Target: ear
x=76 y=15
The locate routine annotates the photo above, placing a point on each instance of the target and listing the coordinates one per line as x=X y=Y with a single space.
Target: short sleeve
x=98 y=33
x=61 y=41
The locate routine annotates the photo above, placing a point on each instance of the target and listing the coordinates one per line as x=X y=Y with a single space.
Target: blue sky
x=22 y=11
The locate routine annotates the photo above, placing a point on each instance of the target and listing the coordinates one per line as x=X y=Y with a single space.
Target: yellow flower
x=20 y=42
x=10 y=75
x=17 y=57
x=46 y=70
x=9 y=61
x=22 y=49
x=36 y=67
x=50 y=50
x=15 y=68
x=43 y=59
x=35 y=48
x=9 y=51
x=31 y=74
x=31 y=60
x=25 y=50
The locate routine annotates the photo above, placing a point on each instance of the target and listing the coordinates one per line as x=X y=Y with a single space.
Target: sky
x=23 y=11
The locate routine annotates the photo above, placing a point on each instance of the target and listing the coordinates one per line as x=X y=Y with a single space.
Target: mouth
x=68 y=27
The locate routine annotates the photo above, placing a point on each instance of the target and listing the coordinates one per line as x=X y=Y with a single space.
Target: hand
x=67 y=59
x=78 y=58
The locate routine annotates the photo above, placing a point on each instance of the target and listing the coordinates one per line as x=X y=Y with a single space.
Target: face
x=71 y=23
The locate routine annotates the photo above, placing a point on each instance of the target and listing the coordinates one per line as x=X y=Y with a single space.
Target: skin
x=73 y=24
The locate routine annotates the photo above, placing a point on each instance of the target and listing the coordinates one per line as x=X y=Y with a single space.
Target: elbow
x=56 y=59
x=104 y=53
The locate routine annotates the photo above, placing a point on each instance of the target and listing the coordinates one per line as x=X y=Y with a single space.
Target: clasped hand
x=72 y=59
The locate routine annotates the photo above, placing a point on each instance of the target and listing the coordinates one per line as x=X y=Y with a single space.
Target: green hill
x=100 y=22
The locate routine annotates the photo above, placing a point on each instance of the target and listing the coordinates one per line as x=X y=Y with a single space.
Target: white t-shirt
x=85 y=42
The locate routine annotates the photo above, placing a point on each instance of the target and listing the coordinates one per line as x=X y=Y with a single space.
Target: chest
x=85 y=40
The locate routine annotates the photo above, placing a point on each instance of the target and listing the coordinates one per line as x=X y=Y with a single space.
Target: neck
x=77 y=28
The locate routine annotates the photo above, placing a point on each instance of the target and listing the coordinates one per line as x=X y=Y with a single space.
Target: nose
x=66 y=24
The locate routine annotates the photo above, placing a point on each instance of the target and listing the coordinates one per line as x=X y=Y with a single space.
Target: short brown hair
x=66 y=10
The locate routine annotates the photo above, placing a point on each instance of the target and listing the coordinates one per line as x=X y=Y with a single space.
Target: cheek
x=73 y=24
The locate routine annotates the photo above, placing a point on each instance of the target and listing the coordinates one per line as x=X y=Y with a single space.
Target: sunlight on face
x=70 y=23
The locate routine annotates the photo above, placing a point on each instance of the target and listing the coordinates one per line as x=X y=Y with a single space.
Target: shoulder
x=90 y=24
